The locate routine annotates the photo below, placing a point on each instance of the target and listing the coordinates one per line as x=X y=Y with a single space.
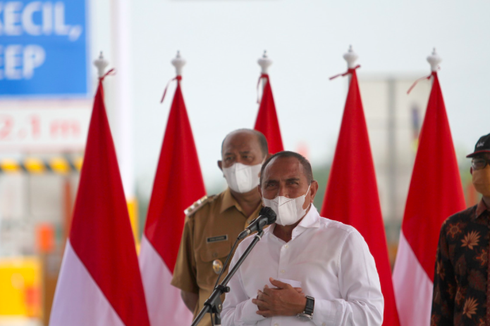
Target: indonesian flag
x=178 y=183
x=267 y=122
x=100 y=282
x=435 y=193
x=352 y=197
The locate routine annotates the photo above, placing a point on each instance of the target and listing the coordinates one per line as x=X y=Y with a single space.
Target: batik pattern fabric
x=461 y=274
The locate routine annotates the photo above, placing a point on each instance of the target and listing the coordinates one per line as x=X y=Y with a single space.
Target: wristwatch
x=307 y=314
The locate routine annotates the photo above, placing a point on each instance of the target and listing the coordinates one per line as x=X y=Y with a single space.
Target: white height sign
x=40 y=126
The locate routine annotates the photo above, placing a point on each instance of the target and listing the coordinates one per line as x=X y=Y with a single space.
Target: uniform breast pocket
x=212 y=256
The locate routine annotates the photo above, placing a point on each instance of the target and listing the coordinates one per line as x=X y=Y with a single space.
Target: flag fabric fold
x=100 y=282
x=178 y=183
x=435 y=193
x=352 y=196
x=267 y=121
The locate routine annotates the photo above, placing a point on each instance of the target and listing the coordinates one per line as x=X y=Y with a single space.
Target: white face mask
x=288 y=210
x=242 y=178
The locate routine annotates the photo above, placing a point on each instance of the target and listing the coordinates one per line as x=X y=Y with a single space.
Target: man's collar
x=228 y=201
x=481 y=208
x=311 y=220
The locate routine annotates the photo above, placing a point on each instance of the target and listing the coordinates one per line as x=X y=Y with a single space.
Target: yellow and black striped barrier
x=32 y=165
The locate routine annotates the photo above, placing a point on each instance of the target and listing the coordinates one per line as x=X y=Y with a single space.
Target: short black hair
x=304 y=162
x=264 y=147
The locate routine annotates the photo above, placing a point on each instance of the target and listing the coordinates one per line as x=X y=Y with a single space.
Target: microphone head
x=269 y=213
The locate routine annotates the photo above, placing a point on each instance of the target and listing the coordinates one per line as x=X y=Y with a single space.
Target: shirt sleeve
x=238 y=308
x=361 y=301
x=444 y=284
x=184 y=276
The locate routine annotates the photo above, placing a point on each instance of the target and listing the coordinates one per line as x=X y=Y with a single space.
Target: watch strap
x=310 y=305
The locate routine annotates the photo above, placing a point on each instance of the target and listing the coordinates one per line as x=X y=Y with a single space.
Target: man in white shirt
x=306 y=270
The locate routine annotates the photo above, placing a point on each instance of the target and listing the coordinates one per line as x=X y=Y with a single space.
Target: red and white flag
x=435 y=193
x=178 y=183
x=267 y=122
x=100 y=282
x=352 y=196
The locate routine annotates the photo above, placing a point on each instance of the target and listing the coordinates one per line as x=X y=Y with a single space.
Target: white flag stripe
x=78 y=300
x=165 y=306
x=412 y=286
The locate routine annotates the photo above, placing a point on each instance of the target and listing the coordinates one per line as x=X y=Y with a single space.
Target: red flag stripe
x=352 y=197
x=178 y=183
x=435 y=191
x=267 y=121
x=101 y=233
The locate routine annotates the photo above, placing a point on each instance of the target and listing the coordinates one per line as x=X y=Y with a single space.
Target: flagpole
x=353 y=183
x=413 y=273
x=264 y=63
x=101 y=64
x=178 y=62
x=100 y=241
x=434 y=60
x=350 y=57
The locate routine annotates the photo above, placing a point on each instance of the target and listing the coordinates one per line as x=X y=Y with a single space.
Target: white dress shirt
x=330 y=259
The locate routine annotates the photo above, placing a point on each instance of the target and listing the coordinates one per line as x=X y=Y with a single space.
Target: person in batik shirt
x=461 y=288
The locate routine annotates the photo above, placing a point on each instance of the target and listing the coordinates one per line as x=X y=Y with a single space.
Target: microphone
x=266 y=216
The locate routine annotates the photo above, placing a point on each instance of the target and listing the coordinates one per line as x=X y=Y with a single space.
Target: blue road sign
x=43 y=48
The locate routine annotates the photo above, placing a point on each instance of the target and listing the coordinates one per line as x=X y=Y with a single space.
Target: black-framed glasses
x=479 y=163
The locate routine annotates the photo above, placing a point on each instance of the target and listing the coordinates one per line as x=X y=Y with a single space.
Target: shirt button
x=286 y=246
x=324 y=324
x=282 y=271
x=276 y=324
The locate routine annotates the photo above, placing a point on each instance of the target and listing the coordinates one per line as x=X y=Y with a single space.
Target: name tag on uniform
x=218 y=238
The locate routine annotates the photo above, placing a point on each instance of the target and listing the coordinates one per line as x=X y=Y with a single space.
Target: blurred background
x=47 y=83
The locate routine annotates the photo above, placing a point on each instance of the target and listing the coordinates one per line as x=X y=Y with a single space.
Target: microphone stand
x=213 y=304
